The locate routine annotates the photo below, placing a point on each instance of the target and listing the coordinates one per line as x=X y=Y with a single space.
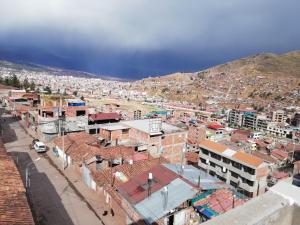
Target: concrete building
x=262 y=122
x=296 y=119
x=248 y=119
x=243 y=171
x=279 y=131
x=235 y=117
x=278 y=116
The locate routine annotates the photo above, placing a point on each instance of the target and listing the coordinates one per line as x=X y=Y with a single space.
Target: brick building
x=158 y=138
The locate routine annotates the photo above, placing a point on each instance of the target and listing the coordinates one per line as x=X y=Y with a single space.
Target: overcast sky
x=139 y=38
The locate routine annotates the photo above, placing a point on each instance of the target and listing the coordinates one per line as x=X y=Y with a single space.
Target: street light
x=27 y=172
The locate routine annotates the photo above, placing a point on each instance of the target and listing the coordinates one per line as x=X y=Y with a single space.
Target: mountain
x=260 y=77
x=16 y=67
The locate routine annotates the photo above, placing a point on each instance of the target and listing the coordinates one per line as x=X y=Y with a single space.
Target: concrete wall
x=283 y=216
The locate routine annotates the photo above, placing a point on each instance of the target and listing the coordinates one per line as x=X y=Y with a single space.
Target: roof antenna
x=150 y=178
x=199 y=177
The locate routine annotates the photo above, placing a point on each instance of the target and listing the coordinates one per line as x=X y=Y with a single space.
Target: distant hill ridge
x=18 y=67
x=264 y=63
x=257 y=76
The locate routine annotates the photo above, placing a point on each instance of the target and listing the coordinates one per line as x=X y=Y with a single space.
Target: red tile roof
x=104 y=116
x=248 y=159
x=104 y=178
x=14 y=208
x=264 y=156
x=74 y=139
x=215 y=126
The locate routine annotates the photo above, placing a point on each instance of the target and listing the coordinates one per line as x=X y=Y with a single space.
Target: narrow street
x=53 y=199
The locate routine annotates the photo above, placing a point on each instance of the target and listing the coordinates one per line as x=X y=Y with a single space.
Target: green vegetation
x=48 y=90
x=13 y=81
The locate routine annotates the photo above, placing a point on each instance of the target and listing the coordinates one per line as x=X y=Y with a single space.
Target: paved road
x=54 y=201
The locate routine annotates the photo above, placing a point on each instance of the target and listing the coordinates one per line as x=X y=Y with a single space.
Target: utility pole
x=61 y=130
x=293 y=153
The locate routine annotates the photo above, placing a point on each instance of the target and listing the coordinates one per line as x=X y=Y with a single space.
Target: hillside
x=256 y=78
x=12 y=67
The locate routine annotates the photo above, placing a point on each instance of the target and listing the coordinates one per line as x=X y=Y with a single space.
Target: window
x=212 y=173
x=232 y=183
x=235 y=175
x=225 y=160
x=237 y=165
x=212 y=164
x=203 y=160
x=249 y=170
x=215 y=156
x=125 y=131
x=204 y=151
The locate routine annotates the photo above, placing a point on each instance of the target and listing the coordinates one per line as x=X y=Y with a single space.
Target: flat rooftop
x=113 y=126
x=145 y=126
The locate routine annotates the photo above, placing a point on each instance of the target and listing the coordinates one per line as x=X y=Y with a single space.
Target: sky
x=133 y=39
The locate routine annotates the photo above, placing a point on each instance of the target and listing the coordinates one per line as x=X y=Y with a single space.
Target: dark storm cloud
x=136 y=38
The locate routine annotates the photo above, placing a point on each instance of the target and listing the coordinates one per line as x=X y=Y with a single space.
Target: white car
x=39 y=146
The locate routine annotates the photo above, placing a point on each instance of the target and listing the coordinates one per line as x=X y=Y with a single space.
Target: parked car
x=39 y=147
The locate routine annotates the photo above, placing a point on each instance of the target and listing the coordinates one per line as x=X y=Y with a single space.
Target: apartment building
x=279 y=131
x=249 y=119
x=262 y=122
x=278 y=116
x=235 y=117
x=243 y=171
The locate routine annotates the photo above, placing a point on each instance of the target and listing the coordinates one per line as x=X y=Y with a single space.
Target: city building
x=243 y=171
x=158 y=138
x=279 y=116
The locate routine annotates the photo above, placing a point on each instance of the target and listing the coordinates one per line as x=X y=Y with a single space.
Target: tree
x=75 y=93
x=48 y=90
x=32 y=86
x=26 y=84
x=82 y=98
x=6 y=81
x=14 y=81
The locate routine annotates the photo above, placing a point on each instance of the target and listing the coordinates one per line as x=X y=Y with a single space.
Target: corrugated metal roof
x=152 y=208
x=191 y=173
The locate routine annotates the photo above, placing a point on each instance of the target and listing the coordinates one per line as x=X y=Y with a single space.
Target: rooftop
x=192 y=174
x=14 y=208
x=153 y=208
x=239 y=156
x=145 y=126
x=113 y=126
x=104 y=116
